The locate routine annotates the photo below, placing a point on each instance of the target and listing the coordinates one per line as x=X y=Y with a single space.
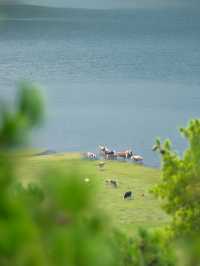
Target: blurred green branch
x=15 y=125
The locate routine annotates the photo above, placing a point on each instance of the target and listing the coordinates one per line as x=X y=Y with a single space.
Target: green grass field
x=143 y=210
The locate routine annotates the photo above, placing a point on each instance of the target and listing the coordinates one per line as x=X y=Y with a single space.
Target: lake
x=116 y=77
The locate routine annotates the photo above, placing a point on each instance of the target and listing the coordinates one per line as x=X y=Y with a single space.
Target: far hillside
x=17 y=11
x=31 y=11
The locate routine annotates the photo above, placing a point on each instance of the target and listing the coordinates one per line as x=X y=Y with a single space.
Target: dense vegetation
x=57 y=220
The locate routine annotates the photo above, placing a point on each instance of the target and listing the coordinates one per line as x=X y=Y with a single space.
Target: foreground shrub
x=180 y=186
x=180 y=191
x=145 y=249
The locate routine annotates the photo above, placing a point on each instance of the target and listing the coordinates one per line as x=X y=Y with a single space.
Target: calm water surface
x=115 y=77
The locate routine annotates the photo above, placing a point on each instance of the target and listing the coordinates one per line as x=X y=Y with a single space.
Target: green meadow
x=141 y=211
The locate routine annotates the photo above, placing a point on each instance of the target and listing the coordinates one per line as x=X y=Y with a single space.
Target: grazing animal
x=108 y=154
x=101 y=164
x=128 y=195
x=124 y=154
x=91 y=155
x=114 y=183
x=137 y=158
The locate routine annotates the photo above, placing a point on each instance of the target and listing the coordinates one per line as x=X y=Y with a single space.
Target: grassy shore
x=142 y=210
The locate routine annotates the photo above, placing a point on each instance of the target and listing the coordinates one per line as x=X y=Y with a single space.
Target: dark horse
x=108 y=154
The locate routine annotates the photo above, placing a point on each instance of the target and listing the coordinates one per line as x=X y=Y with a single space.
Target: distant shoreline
x=51 y=154
x=23 y=11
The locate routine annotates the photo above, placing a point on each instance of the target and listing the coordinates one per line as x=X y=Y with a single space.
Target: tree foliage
x=180 y=186
x=27 y=114
x=146 y=248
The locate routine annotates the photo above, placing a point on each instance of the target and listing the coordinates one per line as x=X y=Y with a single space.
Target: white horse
x=137 y=158
x=90 y=155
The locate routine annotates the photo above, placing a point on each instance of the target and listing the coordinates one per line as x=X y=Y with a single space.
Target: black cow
x=128 y=195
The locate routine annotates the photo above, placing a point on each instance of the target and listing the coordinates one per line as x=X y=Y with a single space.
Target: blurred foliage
x=15 y=125
x=30 y=104
x=145 y=249
x=180 y=186
x=150 y=248
x=180 y=191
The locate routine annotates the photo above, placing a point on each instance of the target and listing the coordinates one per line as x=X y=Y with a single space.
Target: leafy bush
x=180 y=191
x=180 y=186
x=145 y=249
x=15 y=125
x=151 y=249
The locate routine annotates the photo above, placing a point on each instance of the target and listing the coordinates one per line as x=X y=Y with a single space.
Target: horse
x=90 y=155
x=108 y=154
x=137 y=158
x=124 y=154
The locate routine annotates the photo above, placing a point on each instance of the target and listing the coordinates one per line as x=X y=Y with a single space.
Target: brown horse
x=124 y=154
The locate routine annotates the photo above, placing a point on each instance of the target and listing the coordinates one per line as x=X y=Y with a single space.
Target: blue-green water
x=115 y=77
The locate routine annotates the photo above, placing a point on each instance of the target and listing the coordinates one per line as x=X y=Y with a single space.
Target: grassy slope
x=142 y=211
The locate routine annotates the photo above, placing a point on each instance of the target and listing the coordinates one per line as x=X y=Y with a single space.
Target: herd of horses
x=109 y=154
